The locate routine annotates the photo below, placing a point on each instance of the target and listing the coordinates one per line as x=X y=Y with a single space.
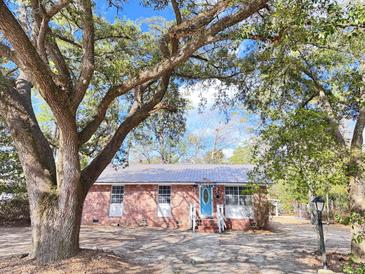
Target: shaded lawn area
x=289 y=248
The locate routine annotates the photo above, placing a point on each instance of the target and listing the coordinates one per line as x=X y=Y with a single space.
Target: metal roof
x=175 y=174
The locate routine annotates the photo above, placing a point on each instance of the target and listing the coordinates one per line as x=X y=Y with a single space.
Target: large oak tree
x=64 y=51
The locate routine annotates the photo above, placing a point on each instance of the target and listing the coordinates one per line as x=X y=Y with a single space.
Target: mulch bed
x=87 y=261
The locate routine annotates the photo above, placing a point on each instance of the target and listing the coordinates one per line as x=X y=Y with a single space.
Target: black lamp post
x=319 y=204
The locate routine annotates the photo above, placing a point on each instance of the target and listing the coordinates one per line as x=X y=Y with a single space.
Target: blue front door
x=206 y=202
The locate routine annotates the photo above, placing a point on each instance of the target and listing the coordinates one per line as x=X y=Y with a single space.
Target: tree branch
x=87 y=63
x=56 y=8
x=327 y=106
x=32 y=146
x=199 y=21
x=32 y=64
x=173 y=38
x=44 y=45
x=65 y=39
x=6 y=52
x=177 y=12
x=201 y=38
x=205 y=77
x=134 y=118
x=357 y=136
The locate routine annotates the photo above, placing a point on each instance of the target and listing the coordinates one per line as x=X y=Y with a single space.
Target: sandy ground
x=289 y=248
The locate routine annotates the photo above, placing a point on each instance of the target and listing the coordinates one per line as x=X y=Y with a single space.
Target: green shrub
x=15 y=211
x=352 y=268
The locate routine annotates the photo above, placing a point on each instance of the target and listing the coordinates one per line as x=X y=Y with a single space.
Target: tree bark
x=55 y=231
x=357 y=204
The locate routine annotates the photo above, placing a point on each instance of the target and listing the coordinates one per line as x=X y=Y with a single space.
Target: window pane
x=246 y=200
x=242 y=200
x=117 y=194
x=232 y=195
x=240 y=190
x=164 y=190
x=164 y=199
x=231 y=199
x=231 y=190
x=249 y=200
x=164 y=194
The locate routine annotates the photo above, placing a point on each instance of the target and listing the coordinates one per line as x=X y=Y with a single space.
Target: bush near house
x=260 y=204
x=15 y=210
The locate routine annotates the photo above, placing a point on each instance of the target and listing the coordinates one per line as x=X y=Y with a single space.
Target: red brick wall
x=96 y=205
x=140 y=206
x=181 y=198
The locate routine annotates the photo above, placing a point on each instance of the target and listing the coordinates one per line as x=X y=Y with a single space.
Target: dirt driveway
x=289 y=249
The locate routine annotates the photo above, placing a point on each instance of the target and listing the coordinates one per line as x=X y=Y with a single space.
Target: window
x=116 y=201
x=238 y=204
x=117 y=194
x=234 y=195
x=164 y=194
x=164 y=199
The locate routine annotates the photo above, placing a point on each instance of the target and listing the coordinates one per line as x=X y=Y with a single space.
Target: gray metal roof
x=175 y=174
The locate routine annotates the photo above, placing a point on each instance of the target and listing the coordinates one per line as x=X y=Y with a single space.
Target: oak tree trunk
x=55 y=231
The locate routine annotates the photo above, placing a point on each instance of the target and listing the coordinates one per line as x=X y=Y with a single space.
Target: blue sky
x=132 y=10
x=239 y=129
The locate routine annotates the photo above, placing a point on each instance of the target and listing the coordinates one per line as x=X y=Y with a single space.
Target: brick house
x=171 y=196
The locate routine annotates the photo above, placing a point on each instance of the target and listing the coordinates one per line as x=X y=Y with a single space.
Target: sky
x=239 y=125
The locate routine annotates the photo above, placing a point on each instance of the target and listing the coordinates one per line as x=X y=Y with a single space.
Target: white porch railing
x=192 y=216
x=220 y=218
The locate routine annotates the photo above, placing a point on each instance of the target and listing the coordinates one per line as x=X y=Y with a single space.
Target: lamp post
x=319 y=205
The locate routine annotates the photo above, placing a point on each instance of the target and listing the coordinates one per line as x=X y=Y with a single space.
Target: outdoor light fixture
x=319 y=205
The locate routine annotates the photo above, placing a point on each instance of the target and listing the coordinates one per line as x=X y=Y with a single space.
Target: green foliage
x=241 y=155
x=214 y=157
x=352 y=268
x=305 y=80
x=282 y=192
x=261 y=204
x=253 y=188
x=358 y=220
x=158 y=138
x=300 y=155
x=15 y=211
x=11 y=174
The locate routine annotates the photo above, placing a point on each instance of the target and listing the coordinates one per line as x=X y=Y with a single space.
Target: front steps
x=208 y=225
